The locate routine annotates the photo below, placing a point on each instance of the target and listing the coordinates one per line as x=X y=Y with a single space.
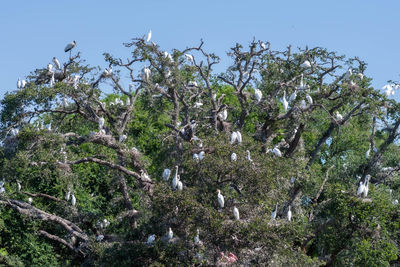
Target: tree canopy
x=287 y=158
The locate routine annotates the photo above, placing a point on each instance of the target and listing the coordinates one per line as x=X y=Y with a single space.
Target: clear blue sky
x=32 y=32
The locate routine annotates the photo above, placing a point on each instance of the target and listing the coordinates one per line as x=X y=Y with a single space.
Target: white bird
x=303 y=103
x=122 y=138
x=148 y=37
x=274 y=213
x=258 y=95
x=302 y=85
x=285 y=102
x=147 y=73
x=108 y=72
x=248 y=157
x=339 y=117
x=168 y=56
x=233 y=137
x=309 y=99
x=19 y=83
x=277 y=152
x=395 y=202
x=366 y=184
x=57 y=63
x=48 y=127
x=99 y=238
x=202 y=154
x=293 y=96
x=388 y=89
x=19 y=186
x=30 y=200
x=70 y=46
x=289 y=214
x=239 y=137
x=175 y=179
x=23 y=83
x=68 y=195
x=197 y=237
x=360 y=189
x=348 y=74
x=101 y=123
x=52 y=80
x=233 y=156
x=166 y=174
x=73 y=200
x=198 y=104
x=192 y=84
x=236 y=213
x=189 y=58
x=151 y=239
x=306 y=64
x=170 y=234
x=224 y=115
x=50 y=68
x=367 y=153
x=179 y=186
x=263 y=46
x=221 y=200
x=196 y=157
x=14 y=132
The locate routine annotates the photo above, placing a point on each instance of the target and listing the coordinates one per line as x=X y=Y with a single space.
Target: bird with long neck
x=175 y=179
x=221 y=200
x=275 y=212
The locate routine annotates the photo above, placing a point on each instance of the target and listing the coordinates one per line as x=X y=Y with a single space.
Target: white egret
x=289 y=214
x=221 y=200
x=293 y=96
x=23 y=83
x=277 y=152
x=366 y=184
x=395 y=202
x=239 y=137
x=224 y=115
x=108 y=72
x=248 y=157
x=146 y=72
x=189 y=58
x=233 y=156
x=168 y=56
x=285 y=102
x=166 y=174
x=19 y=186
x=339 y=117
x=360 y=189
x=198 y=104
x=309 y=99
x=192 y=84
x=50 y=67
x=202 y=154
x=30 y=200
x=175 y=179
x=196 y=157
x=57 y=63
x=263 y=46
x=306 y=64
x=179 y=186
x=70 y=46
x=348 y=74
x=170 y=234
x=233 y=137
x=148 y=37
x=388 y=89
x=99 y=238
x=151 y=239
x=68 y=195
x=303 y=103
x=302 y=85
x=19 y=83
x=101 y=123
x=197 y=237
x=236 y=213
x=73 y=200
x=122 y=138
x=52 y=80
x=274 y=213
x=258 y=95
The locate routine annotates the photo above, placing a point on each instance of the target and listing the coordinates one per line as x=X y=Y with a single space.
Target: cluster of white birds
x=21 y=83
x=363 y=187
x=236 y=136
x=108 y=72
x=200 y=156
x=274 y=213
x=68 y=196
x=176 y=182
x=390 y=88
x=223 y=115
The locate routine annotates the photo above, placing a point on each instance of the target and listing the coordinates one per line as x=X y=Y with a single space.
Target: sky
x=32 y=32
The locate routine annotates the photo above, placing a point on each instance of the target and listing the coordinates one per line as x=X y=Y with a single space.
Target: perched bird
x=236 y=213
x=303 y=103
x=277 y=152
x=274 y=213
x=70 y=46
x=192 y=84
x=221 y=200
x=239 y=137
x=179 y=186
x=306 y=64
x=73 y=200
x=189 y=58
x=151 y=239
x=19 y=186
x=23 y=83
x=14 y=132
x=196 y=157
x=99 y=238
x=293 y=96
x=166 y=174
x=233 y=156
x=258 y=95
x=289 y=214
x=309 y=99
x=224 y=115
x=366 y=184
x=68 y=195
x=19 y=83
x=122 y=138
x=263 y=46
x=248 y=157
x=339 y=117
x=348 y=74
x=101 y=123
x=30 y=200
x=170 y=234
x=197 y=237
x=202 y=154
x=57 y=63
x=285 y=102
x=388 y=89
x=52 y=80
x=108 y=72
x=233 y=137
x=50 y=67
x=146 y=72
x=175 y=179
x=302 y=85
x=148 y=37
x=168 y=56
x=360 y=189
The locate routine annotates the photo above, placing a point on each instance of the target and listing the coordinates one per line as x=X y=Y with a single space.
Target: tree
x=108 y=150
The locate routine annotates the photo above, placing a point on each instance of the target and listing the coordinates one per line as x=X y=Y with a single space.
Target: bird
x=224 y=115
x=221 y=200
x=289 y=214
x=239 y=137
x=277 y=152
x=101 y=123
x=236 y=213
x=263 y=46
x=388 y=89
x=73 y=200
x=348 y=74
x=196 y=157
x=202 y=154
x=151 y=239
x=57 y=63
x=23 y=83
x=166 y=174
x=309 y=99
x=52 y=80
x=306 y=64
x=146 y=72
x=339 y=117
x=293 y=96
x=179 y=186
x=302 y=85
x=360 y=189
x=168 y=56
x=366 y=183
x=68 y=195
x=148 y=37
x=248 y=157
x=192 y=84
x=258 y=95
x=108 y=72
x=303 y=103
x=122 y=138
x=285 y=102
x=14 y=132
x=30 y=200
x=50 y=67
x=233 y=137
x=170 y=234
x=175 y=179
x=99 y=238
x=395 y=202
x=70 y=46
x=233 y=156
x=274 y=213
x=197 y=237
x=19 y=83
x=19 y=186
x=189 y=58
